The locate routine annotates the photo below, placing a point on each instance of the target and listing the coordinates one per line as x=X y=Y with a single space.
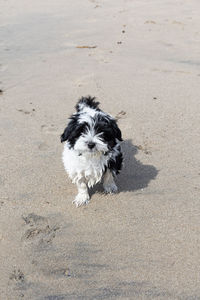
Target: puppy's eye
x=106 y=136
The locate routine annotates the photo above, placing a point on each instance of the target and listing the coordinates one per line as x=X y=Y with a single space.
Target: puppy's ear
x=116 y=130
x=65 y=135
x=67 y=132
x=73 y=131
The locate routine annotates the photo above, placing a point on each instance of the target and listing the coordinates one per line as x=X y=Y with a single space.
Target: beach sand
x=141 y=60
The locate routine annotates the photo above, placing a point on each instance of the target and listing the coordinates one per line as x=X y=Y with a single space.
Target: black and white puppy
x=92 y=149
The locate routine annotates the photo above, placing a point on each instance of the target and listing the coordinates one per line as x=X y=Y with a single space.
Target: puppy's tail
x=87 y=101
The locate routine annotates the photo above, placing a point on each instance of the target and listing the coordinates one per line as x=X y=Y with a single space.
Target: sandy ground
x=143 y=59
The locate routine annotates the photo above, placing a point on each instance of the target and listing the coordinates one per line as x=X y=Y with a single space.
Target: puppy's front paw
x=110 y=188
x=81 y=199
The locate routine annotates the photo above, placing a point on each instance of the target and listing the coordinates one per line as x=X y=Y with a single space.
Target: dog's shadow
x=134 y=175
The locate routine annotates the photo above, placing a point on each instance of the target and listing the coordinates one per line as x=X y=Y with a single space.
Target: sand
x=141 y=60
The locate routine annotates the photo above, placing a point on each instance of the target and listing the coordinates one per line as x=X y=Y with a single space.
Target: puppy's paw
x=110 y=188
x=81 y=199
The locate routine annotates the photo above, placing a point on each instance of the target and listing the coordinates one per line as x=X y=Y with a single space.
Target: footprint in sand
x=26 y=112
x=43 y=147
x=17 y=278
x=17 y=275
x=49 y=129
x=39 y=230
x=120 y=115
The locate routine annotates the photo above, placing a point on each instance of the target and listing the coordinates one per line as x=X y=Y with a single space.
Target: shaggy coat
x=92 y=148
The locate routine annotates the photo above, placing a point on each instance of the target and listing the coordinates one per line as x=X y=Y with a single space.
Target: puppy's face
x=91 y=134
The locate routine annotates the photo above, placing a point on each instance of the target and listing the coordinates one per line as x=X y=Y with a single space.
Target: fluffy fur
x=92 y=149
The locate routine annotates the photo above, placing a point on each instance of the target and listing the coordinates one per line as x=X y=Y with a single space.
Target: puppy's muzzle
x=91 y=145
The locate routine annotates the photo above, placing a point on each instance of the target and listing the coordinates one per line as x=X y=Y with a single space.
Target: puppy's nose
x=91 y=145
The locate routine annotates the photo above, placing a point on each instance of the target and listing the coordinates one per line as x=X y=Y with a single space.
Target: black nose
x=91 y=145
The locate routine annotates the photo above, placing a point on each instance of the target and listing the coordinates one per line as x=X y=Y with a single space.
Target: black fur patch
x=116 y=130
x=115 y=163
x=73 y=131
x=109 y=130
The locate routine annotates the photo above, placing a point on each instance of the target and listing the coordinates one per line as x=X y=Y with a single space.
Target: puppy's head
x=91 y=132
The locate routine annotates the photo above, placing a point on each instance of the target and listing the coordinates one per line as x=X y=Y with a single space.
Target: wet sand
x=141 y=60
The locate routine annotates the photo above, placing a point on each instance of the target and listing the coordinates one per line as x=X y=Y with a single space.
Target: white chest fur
x=87 y=167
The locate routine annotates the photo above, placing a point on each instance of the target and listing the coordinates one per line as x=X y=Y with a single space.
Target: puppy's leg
x=109 y=183
x=83 y=196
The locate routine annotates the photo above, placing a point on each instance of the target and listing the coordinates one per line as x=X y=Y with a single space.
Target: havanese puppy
x=92 y=149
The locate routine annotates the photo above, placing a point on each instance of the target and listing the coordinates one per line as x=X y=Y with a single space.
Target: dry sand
x=140 y=57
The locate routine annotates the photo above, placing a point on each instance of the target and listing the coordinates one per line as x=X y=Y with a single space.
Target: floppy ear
x=117 y=131
x=68 y=131
x=65 y=135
